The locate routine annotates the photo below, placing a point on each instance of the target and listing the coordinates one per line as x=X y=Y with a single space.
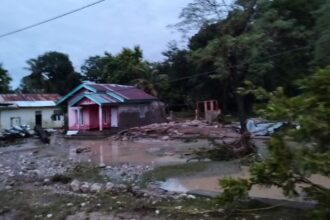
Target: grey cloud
x=108 y=26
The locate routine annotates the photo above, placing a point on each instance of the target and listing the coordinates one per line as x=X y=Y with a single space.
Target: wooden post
x=100 y=118
x=78 y=118
x=212 y=106
x=205 y=106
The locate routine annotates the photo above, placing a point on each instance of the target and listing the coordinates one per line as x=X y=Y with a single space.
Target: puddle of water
x=173 y=185
x=107 y=152
x=211 y=183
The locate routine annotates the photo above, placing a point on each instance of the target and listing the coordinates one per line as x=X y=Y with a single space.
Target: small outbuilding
x=31 y=110
x=94 y=106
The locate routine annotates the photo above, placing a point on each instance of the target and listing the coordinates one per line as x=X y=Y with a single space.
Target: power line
x=50 y=19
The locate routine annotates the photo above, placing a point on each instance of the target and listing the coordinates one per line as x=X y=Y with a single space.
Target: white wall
x=27 y=116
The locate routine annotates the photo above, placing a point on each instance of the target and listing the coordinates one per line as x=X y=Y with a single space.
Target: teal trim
x=64 y=98
x=115 y=96
x=79 y=98
x=75 y=100
x=92 y=99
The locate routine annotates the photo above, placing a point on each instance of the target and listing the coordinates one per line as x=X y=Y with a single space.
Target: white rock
x=157 y=212
x=85 y=187
x=109 y=186
x=75 y=185
x=191 y=197
x=49 y=215
x=165 y=138
x=96 y=187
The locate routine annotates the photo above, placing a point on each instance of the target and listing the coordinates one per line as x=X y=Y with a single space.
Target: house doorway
x=114 y=117
x=38 y=118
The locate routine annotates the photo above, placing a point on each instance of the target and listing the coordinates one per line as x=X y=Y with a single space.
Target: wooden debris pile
x=179 y=130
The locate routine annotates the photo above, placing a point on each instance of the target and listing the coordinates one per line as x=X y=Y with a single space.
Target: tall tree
x=5 y=80
x=289 y=165
x=322 y=43
x=123 y=67
x=51 y=72
x=241 y=46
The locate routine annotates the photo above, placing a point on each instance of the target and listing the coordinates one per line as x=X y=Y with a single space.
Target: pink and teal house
x=92 y=106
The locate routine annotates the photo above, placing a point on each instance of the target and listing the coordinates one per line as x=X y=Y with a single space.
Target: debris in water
x=173 y=185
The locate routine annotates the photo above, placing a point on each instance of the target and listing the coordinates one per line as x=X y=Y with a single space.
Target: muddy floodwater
x=162 y=153
x=141 y=152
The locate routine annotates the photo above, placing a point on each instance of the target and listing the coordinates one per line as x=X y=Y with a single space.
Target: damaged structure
x=30 y=110
x=94 y=106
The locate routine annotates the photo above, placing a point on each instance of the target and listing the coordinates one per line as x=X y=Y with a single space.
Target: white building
x=30 y=109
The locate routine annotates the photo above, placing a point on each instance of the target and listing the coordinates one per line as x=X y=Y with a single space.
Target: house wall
x=132 y=115
x=90 y=114
x=27 y=117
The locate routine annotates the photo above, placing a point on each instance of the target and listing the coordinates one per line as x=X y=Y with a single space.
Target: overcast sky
x=108 y=26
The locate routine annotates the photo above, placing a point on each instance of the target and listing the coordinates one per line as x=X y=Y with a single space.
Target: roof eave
x=67 y=96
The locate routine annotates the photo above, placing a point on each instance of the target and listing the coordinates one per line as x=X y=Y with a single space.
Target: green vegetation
x=288 y=166
x=164 y=172
x=250 y=49
x=85 y=173
x=5 y=79
x=51 y=72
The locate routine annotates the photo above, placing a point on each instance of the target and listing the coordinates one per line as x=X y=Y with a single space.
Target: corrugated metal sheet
x=29 y=100
x=127 y=92
x=28 y=97
x=34 y=103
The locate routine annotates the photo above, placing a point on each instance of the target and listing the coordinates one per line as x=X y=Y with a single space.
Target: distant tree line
x=264 y=43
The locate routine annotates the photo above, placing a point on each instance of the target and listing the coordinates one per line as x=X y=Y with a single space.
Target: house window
x=15 y=121
x=82 y=117
x=142 y=111
x=56 y=115
x=76 y=114
x=105 y=117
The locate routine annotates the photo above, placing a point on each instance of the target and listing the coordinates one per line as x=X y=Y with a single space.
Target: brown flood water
x=211 y=183
x=142 y=152
x=158 y=153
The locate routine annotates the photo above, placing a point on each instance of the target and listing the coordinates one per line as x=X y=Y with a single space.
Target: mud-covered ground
x=105 y=179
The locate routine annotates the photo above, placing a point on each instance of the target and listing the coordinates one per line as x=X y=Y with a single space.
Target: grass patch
x=86 y=173
x=164 y=172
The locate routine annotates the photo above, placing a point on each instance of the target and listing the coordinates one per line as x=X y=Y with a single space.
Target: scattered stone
x=136 y=188
x=8 y=187
x=85 y=187
x=75 y=185
x=191 y=197
x=102 y=165
x=109 y=186
x=49 y=215
x=165 y=138
x=96 y=187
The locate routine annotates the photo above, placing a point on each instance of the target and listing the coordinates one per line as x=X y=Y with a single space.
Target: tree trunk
x=241 y=112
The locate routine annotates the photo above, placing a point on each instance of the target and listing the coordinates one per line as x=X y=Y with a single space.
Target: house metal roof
x=127 y=92
x=108 y=93
x=29 y=97
x=29 y=100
